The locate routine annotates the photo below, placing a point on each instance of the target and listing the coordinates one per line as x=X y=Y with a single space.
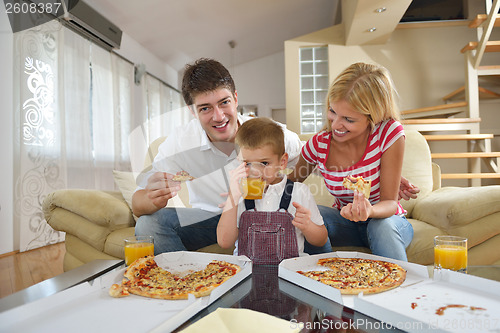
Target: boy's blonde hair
x=369 y=89
x=258 y=132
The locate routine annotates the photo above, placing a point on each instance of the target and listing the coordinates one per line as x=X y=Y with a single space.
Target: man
x=205 y=149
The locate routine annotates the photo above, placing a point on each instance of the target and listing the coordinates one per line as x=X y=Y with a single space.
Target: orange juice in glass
x=138 y=247
x=450 y=252
x=253 y=188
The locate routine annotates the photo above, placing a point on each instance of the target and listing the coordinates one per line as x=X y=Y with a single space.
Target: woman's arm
x=391 y=165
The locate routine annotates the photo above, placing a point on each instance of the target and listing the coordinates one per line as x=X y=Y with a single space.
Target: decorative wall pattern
x=38 y=170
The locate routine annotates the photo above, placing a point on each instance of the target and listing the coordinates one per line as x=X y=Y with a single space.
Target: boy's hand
x=235 y=177
x=302 y=218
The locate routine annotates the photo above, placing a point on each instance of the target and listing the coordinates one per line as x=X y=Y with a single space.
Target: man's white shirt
x=188 y=148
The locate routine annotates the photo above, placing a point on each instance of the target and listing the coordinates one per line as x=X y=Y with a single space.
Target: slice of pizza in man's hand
x=182 y=176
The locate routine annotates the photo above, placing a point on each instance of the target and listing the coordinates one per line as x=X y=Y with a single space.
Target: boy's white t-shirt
x=271 y=202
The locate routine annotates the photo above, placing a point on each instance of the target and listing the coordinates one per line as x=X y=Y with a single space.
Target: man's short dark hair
x=205 y=75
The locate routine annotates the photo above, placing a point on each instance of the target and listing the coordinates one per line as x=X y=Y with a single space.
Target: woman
x=362 y=137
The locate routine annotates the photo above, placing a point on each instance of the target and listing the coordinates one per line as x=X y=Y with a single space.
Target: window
x=313 y=63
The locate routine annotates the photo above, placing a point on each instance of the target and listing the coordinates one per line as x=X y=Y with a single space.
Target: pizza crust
x=358 y=184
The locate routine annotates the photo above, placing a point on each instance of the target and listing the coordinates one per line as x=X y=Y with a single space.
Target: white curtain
x=73 y=121
x=164 y=110
x=74 y=104
x=164 y=107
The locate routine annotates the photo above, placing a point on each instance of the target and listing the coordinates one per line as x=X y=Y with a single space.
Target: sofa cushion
x=417 y=167
x=421 y=248
x=114 y=243
x=449 y=207
x=480 y=230
x=99 y=207
x=77 y=226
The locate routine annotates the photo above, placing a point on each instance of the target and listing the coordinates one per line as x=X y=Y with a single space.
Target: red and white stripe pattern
x=383 y=135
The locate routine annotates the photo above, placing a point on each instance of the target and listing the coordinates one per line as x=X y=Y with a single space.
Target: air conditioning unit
x=85 y=20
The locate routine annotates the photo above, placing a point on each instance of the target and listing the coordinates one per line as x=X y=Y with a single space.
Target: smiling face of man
x=218 y=114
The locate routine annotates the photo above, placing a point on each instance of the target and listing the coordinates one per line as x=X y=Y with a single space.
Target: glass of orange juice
x=450 y=252
x=253 y=188
x=138 y=247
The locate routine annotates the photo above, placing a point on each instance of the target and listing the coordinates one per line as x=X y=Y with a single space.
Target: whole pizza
x=145 y=278
x=355 y=275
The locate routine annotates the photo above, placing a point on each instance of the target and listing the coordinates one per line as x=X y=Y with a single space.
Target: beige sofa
x=95 y=222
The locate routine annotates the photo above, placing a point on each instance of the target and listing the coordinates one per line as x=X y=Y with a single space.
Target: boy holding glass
x=274 y=227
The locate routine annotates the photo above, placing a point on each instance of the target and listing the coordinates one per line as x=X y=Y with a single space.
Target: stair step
x=442 y=124
x=436 y=107
x=452 y=137
x=443 y=110
x=441 y=121
x=489 y=70
x=481 y=18
x=466 y=155
x=491 y=46
x=470 y=175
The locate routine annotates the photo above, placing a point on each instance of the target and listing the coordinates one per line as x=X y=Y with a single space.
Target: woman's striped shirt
x=383 y=135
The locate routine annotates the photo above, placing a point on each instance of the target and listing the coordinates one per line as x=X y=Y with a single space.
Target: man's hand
x=407 y=190
x=161 y=188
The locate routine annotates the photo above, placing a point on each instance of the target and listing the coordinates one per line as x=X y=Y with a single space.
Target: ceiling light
x=372 y=29
x=380 y=10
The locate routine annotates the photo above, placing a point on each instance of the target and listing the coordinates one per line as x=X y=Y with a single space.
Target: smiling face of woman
x=346 y=123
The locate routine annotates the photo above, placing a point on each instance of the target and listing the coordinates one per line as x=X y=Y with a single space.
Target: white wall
x=130 y=50
x=261 y=82
x=6 y=136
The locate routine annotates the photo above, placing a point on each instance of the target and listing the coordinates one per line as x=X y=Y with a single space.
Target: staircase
x=445 y=118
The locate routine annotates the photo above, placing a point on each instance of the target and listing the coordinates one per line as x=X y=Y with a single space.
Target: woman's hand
x=359 y=210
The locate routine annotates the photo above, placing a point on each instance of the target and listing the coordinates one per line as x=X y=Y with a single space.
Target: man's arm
x=159 y=190
x=407 y=190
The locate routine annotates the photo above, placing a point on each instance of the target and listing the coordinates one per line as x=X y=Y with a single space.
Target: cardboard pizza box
x=89 y=308
x=450 y=302
x=288 y=270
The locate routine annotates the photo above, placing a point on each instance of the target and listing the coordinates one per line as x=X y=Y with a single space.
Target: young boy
x=261 y=147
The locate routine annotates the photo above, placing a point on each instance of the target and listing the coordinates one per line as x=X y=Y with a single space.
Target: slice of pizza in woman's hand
x=358 y=184
x=182 y=176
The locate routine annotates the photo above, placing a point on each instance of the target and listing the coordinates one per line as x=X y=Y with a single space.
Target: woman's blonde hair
x=369 y=89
